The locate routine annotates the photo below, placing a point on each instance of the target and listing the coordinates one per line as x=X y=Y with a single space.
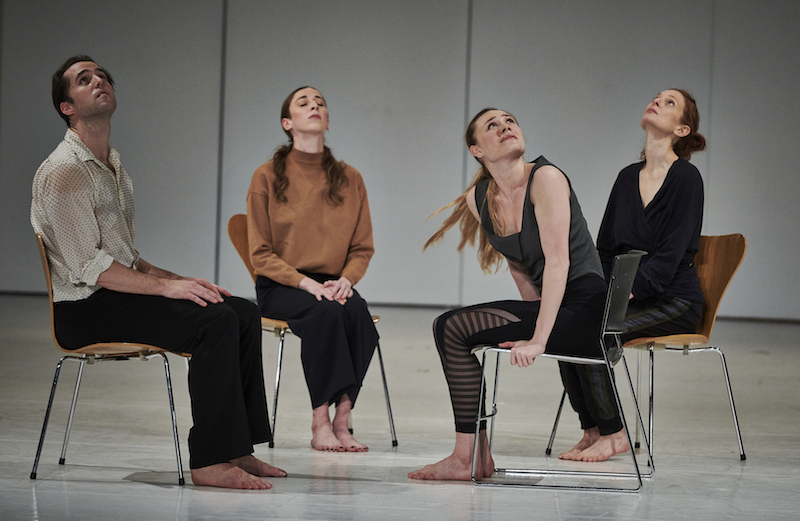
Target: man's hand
x=199 y=291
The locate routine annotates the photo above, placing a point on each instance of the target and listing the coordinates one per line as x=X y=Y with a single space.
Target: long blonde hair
x=489 y=258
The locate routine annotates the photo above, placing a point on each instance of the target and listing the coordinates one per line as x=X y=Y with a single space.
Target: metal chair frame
x=237 y=231
x=102 y=352
x=623 y=272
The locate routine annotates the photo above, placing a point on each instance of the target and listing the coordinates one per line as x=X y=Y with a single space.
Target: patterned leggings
x=457 y=332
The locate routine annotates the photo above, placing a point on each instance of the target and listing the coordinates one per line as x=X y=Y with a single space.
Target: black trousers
x=337 y=341
x=589 y=387
x=226 y=379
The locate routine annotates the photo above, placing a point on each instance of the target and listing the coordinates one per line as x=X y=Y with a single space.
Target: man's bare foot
x=605 y=447
x=256 y=467
x=590 y=436
x=458 y=466
x=227 y=475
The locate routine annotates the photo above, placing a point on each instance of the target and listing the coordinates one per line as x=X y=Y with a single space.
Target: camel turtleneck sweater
x=307 y=233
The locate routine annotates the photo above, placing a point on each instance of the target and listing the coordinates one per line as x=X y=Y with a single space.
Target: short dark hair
x=61 y=87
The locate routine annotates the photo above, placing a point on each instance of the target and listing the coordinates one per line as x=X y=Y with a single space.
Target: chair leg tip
x=61 y=461
x=394 y=443
x=33 y=475
x=636 y=445
x=272 y=445
x=743 y=457
x=548 y=451
x=181 y=481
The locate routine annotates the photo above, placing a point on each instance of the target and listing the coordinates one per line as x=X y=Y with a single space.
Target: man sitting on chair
x=103 y=291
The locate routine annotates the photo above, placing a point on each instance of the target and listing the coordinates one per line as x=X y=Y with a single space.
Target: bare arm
x=550 y=197
x=526 y=288
x=150 y=280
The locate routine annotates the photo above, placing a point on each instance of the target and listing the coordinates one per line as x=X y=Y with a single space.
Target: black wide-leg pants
x=337 y=341
x=226 y=379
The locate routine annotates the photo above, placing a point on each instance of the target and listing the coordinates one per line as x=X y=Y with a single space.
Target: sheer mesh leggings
x=457 y=333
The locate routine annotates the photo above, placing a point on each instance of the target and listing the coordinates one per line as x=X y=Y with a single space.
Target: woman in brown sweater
x=310 y=238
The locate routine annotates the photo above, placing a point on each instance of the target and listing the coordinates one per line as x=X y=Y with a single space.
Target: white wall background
x=200 y=83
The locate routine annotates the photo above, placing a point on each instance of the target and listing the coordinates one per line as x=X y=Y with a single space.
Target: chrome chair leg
x=549 y=448
x=386 y=395
x=47 y=416
x=81 y=361
x=650 y=401
x=638 y=393
x=277 y=387
x=181 y=480
x=733 y=407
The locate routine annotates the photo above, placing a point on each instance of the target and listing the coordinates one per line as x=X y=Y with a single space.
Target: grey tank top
x=525 y=247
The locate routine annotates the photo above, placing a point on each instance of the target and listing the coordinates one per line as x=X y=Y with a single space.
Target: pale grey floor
x=120 y=463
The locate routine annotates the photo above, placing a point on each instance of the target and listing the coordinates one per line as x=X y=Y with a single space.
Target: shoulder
x=472 y=203
x=549 y=177
x=687 y=174
x=262 y=178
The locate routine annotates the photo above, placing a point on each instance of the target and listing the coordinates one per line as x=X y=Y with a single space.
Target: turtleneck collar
x=305 y=157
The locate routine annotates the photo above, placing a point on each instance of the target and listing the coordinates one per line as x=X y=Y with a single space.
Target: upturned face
x=665 y=114
x=308 y=113
x=90 y=90
x=497 y=136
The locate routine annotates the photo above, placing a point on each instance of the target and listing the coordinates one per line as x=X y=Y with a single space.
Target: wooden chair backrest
x=48 y=279
x=237 y=231
x=717 y=261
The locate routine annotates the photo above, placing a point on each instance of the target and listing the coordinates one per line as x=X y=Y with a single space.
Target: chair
x=102 y=352
x=717 y=261
x=623 y=273
x=237 y=231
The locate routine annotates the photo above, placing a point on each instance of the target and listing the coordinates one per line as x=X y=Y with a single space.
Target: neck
x=658 y=151
x=508 y=174
x=95 y=135
x=311 y=144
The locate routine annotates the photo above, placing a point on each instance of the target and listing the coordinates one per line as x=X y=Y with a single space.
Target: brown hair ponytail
x=489 y=258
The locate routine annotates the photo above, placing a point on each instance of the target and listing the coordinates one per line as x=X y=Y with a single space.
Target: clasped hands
x=338 y=290
x=523 y=352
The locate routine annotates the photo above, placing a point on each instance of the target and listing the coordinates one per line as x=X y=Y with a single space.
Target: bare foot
x=341 y=427
x=347 y=440
x=322 y=436
x=227 y=475
x=256 y=467
x=590 y=436
x=324 y=439
x=458 y=466
x=605 y=447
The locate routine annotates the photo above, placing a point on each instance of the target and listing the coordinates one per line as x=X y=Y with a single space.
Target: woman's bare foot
x=322 y=436
x=341 y=426
x=227 y=475
x=605 y=447
x=458 y=465
x=590 y=436
x=256 y=467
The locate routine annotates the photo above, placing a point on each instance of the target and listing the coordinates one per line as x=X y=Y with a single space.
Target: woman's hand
x=342 y=289
x=316 y=289
x=523 y=352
